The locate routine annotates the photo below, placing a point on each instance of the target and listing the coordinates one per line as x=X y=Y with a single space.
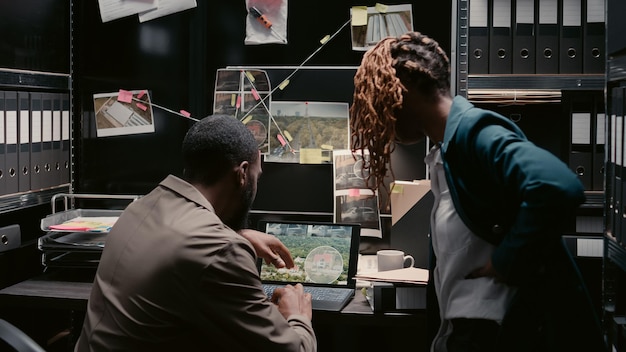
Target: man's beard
x=240 y=219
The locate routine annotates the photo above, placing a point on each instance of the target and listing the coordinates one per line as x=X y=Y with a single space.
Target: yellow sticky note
x=233 y=99
x=283 y=84
x=359 y=16
x=310 y=156
x=327 y=147
x=288 y=135
x=381 y=8
x=325 y=39
x=397 y=188
x=250 y=76
x=247 y=119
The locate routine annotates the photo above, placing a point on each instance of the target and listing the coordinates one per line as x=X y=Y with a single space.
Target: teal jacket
x=518 y=197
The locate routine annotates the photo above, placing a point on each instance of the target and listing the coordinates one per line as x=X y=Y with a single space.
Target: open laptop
x=325 y=257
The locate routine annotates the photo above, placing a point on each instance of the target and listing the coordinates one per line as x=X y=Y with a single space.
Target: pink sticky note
x=141 y=94
x=185 y=113
x=238 y=104
x=281 y=140
x=354 y=192
x=142 y=107
x=255 y=94
x=125 y=96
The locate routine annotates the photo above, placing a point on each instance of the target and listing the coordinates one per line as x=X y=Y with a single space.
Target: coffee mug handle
x=410 y=258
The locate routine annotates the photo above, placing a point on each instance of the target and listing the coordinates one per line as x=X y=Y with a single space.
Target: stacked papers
x=86 y=224
x=416 y=276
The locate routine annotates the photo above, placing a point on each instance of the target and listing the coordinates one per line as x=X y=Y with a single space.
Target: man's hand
x=293 y=300
x=270 y=248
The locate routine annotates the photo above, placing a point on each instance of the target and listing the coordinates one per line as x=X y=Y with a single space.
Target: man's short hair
x=215 y=144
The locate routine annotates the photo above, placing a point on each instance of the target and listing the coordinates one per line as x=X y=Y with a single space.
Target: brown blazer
x=173 y=277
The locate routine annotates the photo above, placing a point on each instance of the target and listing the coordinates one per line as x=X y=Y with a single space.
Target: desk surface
x=391 y=331
x=49 y=290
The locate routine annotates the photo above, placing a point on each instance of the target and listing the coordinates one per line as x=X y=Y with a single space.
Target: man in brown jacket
x=179 y=273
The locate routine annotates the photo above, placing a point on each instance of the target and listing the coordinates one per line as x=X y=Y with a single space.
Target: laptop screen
x=324 y=254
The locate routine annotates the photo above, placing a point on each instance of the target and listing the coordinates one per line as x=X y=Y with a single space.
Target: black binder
x=47 y=175
x=617 y=157
x=56 y=139
x=571 y=37
x=599 y=154
x=621 y=187
x=500 y=38
x=478 y=41
x=580 y=163
x=618 y=212
x=10 y=127
x=594 y=37
x=3 y=150
x=524 y=52
x=580 y=159
x=23 y=157
x=547 y=37
x=36 y=159
x=65 y=138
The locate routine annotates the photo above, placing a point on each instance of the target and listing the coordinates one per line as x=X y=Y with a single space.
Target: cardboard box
x=389 y=297
x=411 y=205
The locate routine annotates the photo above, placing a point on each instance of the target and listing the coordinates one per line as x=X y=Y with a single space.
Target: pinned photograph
x=307 y=132
x=123 y=113
x=244 y=94
x=355 y=202
x=371 y=24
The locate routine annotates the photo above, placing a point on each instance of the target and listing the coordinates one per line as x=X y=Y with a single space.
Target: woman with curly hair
x=502 y=277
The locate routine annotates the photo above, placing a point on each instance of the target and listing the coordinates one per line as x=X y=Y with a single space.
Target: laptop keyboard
x=317 y=293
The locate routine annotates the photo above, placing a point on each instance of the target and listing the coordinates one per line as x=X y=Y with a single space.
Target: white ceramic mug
x=392 y=259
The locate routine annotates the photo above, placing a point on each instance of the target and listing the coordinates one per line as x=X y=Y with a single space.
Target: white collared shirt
x=458 y=253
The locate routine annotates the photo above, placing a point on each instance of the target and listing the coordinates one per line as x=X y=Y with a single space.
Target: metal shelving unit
x=464 y=81
x=23 y=79
x=31 y=80
x=538 y=82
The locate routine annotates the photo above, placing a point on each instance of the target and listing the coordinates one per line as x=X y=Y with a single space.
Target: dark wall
x=35 y=35
x=176 y=58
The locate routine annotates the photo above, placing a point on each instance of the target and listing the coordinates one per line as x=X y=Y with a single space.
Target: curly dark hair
x=213 y=145
x=412 y=61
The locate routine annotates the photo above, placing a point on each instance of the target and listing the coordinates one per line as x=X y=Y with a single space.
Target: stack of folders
x=35 y=150
x=616 y=219
x=536 y=37
x=75 y=238
x=587 y=149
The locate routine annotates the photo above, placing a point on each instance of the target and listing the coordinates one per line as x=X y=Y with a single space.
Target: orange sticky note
x=185 y=113
x=125 y=96
x=142 y=107
x=255 y=94
x=281 y=140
